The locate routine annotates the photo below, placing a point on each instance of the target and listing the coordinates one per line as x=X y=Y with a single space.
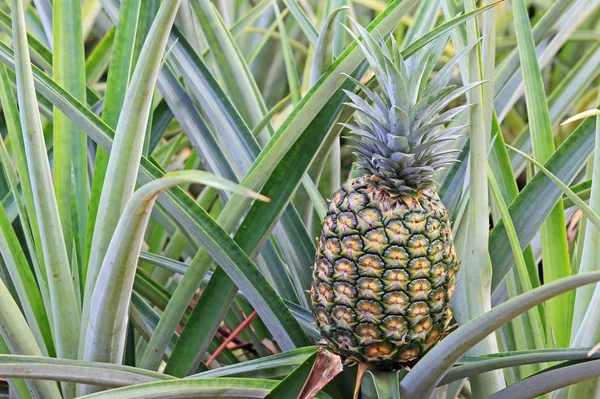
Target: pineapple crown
x=400 y=139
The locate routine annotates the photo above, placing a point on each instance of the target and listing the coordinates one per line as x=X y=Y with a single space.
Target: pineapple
x=385 y=266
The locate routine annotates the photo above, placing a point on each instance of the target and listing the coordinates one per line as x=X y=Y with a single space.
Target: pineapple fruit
x=385 y=266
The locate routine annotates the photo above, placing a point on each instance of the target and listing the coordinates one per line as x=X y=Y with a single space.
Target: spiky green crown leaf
x=400 y=135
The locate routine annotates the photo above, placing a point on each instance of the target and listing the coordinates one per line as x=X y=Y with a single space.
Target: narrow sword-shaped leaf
x=289 y=57
x=195 y=221
x=248 y=18
x=473 y=365
x=528 y=215
x=99 y=59
x=529 y=328
x=105 y=339
x=307 y=27
x=39 y=52
x=425 y=20
x=70 y=143
x=27 y=212
x=102 y=374
x=176 y=307
x=146 y=16
x=583 y=191
x=472 y=297
x=20 y=340
x=549 y=381
x=323 y=54
x=568 y=23
x=65 y=310
x=189 y=347
x=236 y=76
x=205 y=388
x=123 y=163
x=541 y=29
x=277 y=108
x=25 y=284
x=427 y=373
x=116 y=87
x=90 y=11
x=194 y=125
x=553 y=232
x=500 y=164
x=249 y=368
x=587 y=210
x=534 y=327
x=44 y=9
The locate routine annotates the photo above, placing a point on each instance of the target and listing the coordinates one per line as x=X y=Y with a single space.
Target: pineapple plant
x=119 y=278
x=386 y=265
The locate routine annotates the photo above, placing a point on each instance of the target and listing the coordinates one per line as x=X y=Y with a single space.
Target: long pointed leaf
x=553 y=231
x=70 y=143
x=64 y=303
x=105 y=339
x=425 y=376
x=116 y=87
x=20 y=340
x=528 y=215
x=208 y=388
x=123 y=163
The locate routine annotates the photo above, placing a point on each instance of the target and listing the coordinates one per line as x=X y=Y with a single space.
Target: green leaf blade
x=553 y=231
x=65 y=310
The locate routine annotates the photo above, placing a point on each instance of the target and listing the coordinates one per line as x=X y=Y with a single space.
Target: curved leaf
x=323 y=54
x=482 y=364
x=65 y=308
x=385 y=383
x=549 y=381
x=121 y=59
x=307 y=27
x=32 y=290
x=205 y=388
x=555 y=252
x=19 y=339
x=123 y=162
x=102 y=374
x=197 y=222
x=105 y=339
x=528 y=215
x=427 y=373
x=253 y=367
x=585 y=209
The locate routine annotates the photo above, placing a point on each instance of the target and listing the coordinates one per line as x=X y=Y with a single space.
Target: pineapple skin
x=383 y=274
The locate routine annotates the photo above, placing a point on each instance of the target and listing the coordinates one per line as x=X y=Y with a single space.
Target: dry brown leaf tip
x=327 y=365
x=362 y=368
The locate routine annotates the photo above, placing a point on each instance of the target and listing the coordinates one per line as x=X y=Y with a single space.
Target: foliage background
x=106 y=288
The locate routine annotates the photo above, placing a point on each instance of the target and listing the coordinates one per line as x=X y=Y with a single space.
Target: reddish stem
x=234 y=334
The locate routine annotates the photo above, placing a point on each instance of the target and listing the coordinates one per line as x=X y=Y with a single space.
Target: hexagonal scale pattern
x=383 y=275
